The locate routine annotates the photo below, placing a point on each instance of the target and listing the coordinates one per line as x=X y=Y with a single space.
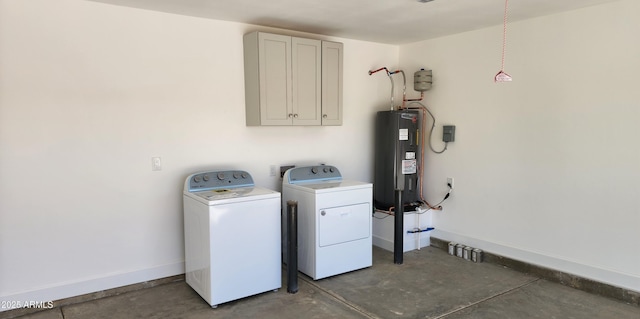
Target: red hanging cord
x=503 y=76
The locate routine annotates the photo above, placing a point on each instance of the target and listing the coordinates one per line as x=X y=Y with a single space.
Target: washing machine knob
x=236 y=175
x=245 y=175
x=331 y=169
x=220 y=176
x=196 y=179
x=314 y=170
x=205 y=178
x=326 y=169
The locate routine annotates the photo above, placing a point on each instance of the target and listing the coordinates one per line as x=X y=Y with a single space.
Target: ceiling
x=383 y=21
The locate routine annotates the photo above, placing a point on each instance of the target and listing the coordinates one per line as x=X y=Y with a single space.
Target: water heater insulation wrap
x=397 y=156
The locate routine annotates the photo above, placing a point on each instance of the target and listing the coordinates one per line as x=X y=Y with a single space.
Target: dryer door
x=342 y=224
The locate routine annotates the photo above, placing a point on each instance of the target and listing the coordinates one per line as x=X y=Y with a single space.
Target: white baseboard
x=86 y=286
x=607 y=276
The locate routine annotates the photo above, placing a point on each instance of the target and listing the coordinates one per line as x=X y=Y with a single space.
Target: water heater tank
x=397 y=152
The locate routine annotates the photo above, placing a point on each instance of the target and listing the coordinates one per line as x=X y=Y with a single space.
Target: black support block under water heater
x=397 y=156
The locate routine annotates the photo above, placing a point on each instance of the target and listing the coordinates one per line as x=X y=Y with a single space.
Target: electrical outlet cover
x=156 y=163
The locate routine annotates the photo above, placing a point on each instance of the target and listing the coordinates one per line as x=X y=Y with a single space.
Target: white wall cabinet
x=331 y=83
x=292 y=80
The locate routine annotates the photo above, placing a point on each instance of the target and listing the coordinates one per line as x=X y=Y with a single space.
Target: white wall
x=89 y=92
x=546 y=168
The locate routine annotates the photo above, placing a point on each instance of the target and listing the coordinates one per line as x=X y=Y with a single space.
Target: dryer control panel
x=219 y=180
x=313 y=174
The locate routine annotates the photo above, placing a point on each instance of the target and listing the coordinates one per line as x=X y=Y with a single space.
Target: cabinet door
x=307 y=83
x=331 y=83
x=275 y=79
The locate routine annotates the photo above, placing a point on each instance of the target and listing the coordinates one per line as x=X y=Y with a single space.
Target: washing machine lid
x=232 y=195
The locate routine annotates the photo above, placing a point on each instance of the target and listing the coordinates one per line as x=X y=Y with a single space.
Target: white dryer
x=334 y=220
x=232 y=236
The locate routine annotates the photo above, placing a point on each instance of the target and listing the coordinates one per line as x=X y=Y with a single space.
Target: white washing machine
x=232 y=236
x=334 y=220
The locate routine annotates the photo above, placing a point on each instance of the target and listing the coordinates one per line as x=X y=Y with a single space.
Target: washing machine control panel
x=219 y=180
x=313 y=173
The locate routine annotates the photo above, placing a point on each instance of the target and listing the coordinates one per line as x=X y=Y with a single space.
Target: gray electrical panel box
x=448 y=133
x=397 y=158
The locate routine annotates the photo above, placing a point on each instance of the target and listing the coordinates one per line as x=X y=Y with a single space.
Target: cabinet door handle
x=324 y=116
x=295 y=115
x=290 y=115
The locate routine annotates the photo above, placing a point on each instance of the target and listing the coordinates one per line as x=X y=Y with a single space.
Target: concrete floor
x=429 y=284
